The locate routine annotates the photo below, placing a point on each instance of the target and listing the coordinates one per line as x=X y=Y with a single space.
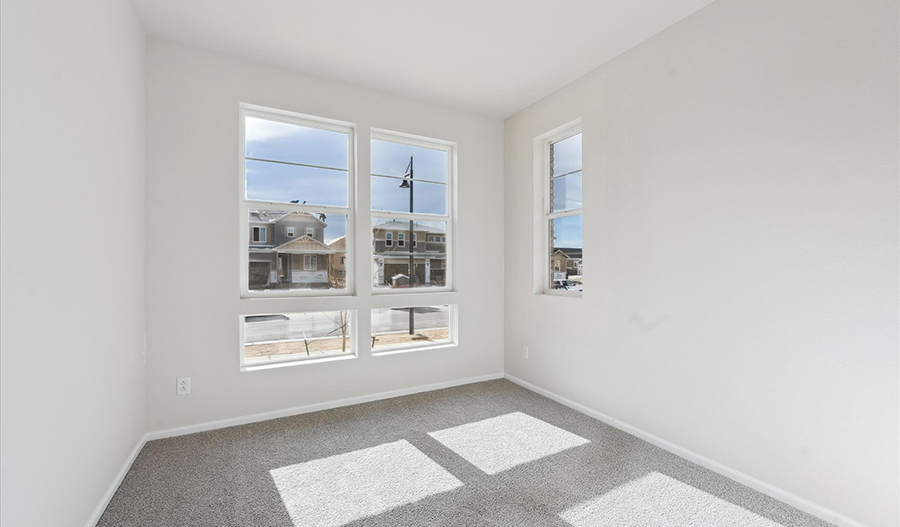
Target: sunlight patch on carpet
x=659 y=500
x=500 y=443
x=346 y=487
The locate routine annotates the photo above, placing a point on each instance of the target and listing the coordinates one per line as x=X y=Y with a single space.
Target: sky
x=327 y=182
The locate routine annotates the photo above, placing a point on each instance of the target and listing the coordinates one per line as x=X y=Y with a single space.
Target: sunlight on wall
x=339 y=489
x=500 y=443
x=657 y=499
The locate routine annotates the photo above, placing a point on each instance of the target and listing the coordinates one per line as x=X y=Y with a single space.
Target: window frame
x=245 y=205
x=544 y=214
x=263 y=234
x=311 y=232
x=289 y=232
x=452 y=331
x=352 y=336
x=450 y=218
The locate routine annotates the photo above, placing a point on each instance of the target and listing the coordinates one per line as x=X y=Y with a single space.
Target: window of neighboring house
x=295 y=169
x=389 y=239
x=259 y=234
x=431 y=239
x=284 y=338
x=311 y=232
x=411 y=190
x=561 y=236
x=310 y=262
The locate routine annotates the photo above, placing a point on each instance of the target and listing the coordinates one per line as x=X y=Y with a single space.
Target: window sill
x=284 y=364
x=552 y=292
x=399 y=350
x=296 y=293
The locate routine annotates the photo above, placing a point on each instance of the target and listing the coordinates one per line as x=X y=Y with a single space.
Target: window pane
x=268 y=181
x=566 y=192
x=428 y=198
x=565 y=156
x=296 y=336
x=277 y=141
x=405 y=327
x=566 y=265
x=392 y=159
x=390 y=266
x=310 y=261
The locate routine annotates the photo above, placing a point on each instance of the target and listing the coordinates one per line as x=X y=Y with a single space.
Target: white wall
x=741 y=246
x=193 y=288
x=72 y=271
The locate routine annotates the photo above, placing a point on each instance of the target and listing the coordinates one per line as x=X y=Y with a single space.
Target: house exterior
x=566 y=262
x=391 y=250
x=337 y=262
x=287 y=251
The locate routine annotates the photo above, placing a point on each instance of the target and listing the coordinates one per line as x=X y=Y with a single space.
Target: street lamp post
x=408 y=183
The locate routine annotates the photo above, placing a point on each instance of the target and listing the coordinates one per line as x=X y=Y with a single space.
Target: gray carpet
x=490 y=453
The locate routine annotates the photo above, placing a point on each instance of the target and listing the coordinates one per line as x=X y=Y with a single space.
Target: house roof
x=569 y=252
x=302 y=245
x=273 y=216
x=396 y=225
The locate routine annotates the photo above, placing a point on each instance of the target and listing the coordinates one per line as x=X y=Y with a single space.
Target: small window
x=295 y=337
x=289 y=232
x=562 y=212
x=415 y=327
x=415 y=243
x=310 y=262
x=431 y=239
x=389 y=239
x=259 y=234
x=311 y=232
x=401 y=239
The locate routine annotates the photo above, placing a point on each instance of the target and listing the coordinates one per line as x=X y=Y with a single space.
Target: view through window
x=564 y=214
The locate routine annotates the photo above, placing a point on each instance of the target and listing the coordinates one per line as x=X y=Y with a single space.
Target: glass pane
x=406 y=327
x=303 y=261
x=566 y=155
x=566 y=265
x=428 y=198
x=566 y=192
x=277 y=141
x=392 y=159
x=391 y=254
x=292 y=184
x=296 y=336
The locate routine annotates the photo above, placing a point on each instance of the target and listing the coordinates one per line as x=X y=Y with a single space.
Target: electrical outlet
x=525 y=351
x=184 y=386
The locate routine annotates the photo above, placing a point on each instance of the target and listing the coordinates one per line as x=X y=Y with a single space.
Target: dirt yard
x=332 y=346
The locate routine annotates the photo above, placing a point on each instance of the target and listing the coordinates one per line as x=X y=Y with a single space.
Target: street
x=267 y=328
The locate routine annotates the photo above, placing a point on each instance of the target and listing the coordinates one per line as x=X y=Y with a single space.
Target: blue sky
x=326 y=183
x=567 y=155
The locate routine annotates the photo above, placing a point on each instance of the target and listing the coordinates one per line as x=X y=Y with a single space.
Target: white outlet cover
x=183 y=386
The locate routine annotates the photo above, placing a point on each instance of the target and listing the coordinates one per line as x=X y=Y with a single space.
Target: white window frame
x=314 y=266
x=250 y=110
x=388 y=239
x=415 y=241
x=543 y=215
x=311 y=232
x=449 y=219
x=452 y=332
x=289 y=232
x=353 y=354
x=401 y=239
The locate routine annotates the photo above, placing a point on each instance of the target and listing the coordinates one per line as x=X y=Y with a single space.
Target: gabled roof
x=274 y=216
x=305 y=244
x=397 y=225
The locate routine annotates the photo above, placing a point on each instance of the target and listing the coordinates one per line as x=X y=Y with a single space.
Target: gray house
x=392 y=248
x=288 y=251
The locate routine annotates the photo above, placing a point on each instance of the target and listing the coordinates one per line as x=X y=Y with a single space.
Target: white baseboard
x=287 y=412
x=736 y=475
x=111 y=491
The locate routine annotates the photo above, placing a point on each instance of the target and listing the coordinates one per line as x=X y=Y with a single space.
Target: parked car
x=567 y=285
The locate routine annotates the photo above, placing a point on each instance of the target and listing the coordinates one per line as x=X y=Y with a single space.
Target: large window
x=563 y=261
x=411 y=202
x=296 y=179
